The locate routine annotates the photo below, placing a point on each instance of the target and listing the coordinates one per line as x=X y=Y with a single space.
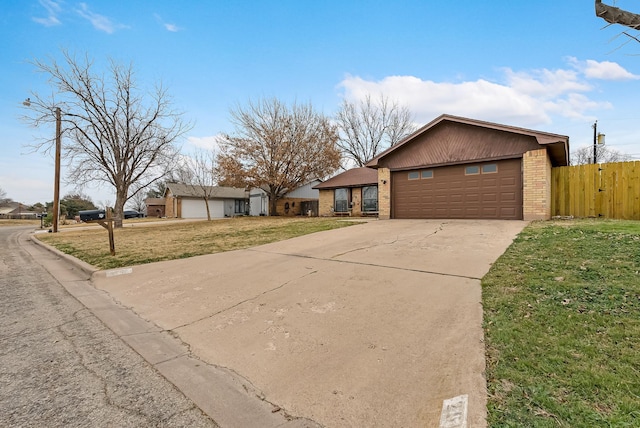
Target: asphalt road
x=60 y=366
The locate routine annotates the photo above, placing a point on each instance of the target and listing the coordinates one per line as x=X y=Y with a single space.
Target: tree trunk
x=273 y=203
x=206 y=204
x=118 y=211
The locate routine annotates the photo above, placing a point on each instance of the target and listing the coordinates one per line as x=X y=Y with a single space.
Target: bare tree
x=3 y=196
x=604 y=154
x=157 y=188
x=614 y=15
x=119 y=134
x=137 y=202
x=231 y=172
x=369 y=127
x=199 y=170
x=278 y=148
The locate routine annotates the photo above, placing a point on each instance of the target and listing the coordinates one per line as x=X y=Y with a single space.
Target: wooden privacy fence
x=608 y=190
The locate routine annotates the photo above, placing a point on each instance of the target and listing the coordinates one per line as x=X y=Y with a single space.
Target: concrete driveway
x=371 y=325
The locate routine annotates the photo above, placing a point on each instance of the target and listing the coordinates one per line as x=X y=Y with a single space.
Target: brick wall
x=536 y=193
x=169 y=205
x=325 y=203
x=294 y=206
x=384 y=193
x=356 y=201
x=156 y=210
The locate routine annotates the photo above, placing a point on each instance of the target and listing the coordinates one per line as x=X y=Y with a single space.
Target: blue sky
x=548 y=65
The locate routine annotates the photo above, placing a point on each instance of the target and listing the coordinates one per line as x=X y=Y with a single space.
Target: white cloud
x=524 y=98
x=53 y=10
x=603 y=70
x=168 y=26
x=607 y=70
x=545 y=83
x=207 y=143
x=99 y=22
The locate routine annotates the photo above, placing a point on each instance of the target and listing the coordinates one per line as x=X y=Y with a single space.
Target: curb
x=85 y=267
x=226 y=397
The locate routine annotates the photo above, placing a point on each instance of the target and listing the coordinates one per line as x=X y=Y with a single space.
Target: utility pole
x=595 y=141
x=56 y=185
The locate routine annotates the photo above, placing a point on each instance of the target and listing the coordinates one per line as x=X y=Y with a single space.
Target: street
x=60 y=365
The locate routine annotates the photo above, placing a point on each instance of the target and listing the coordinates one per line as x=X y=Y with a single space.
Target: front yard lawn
x=151 y=243
x=562 y=327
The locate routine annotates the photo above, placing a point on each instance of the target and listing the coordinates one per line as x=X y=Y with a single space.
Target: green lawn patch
x=562 y=327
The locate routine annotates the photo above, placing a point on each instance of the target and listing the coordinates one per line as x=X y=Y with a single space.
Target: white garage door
x=195 y=208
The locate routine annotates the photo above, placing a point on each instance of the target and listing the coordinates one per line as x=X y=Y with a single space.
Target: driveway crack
x=378 y=244
x=245 y=300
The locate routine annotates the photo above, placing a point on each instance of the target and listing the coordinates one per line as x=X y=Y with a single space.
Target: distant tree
x=119 y=134
x=371 y=126
x=3 y=197
x=137 y=202
x=156 y=190
x=199 y=170
x=72 y=203
x=278 y=148
x=604 y=154
x=38 y=207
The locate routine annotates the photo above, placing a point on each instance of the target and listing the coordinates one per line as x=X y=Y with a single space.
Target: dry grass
x=146 y=242
x=18 y=222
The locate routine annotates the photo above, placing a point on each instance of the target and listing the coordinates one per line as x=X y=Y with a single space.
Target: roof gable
x=451 y=139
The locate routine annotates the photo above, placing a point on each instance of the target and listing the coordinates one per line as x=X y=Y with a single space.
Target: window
x=341 y=200
x=240 y=206
x=489 y=168
x=370 y=198
x=414 y=175
x=472 y=170
x=427 y=174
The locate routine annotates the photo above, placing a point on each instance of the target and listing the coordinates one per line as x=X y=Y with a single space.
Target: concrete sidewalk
x=371 y=325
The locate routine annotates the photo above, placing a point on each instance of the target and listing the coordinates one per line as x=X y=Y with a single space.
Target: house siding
x=305 y=192
x=259 y=201
x=451 y=143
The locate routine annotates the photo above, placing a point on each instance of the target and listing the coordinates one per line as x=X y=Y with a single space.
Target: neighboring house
x=155 y=207
x=354 y=192
x=16 y=210
x=454 y=167
x=186 y=201
x=301 y=201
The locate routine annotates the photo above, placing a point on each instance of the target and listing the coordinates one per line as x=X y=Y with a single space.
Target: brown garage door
x=489 y=190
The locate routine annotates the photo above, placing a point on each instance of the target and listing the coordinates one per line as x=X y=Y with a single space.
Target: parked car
x=89 y=215
x=133 y=214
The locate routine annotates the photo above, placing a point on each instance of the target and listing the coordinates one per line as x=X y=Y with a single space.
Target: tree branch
x=614 y=15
